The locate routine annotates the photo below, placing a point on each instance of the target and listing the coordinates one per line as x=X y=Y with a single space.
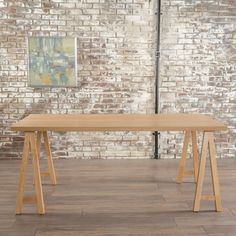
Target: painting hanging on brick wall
x=52 y=62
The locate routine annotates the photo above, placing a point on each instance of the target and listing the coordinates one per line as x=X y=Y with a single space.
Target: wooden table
x=36 y=126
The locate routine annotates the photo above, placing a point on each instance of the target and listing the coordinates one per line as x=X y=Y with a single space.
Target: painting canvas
x=52 y=61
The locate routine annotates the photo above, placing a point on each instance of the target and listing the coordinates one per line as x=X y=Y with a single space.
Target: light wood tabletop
x=118 y=122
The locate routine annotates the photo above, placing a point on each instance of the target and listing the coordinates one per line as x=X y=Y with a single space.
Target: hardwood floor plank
x=136 y=230
x=227 y=230
x=117 y=197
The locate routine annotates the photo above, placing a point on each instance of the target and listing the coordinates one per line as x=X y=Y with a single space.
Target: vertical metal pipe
x=157 y=109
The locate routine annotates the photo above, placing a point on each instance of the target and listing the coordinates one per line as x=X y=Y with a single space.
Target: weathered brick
x=203 y=39
x=116 y=70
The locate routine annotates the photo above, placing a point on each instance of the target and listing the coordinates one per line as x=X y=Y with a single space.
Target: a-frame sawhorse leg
x=208 y=145
x=182 y=163
x=51 y=170
x=32 y=143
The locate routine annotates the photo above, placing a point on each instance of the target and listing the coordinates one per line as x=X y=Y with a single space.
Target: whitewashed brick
x=116 y=70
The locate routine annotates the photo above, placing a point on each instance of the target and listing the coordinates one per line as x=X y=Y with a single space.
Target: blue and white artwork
x=52 y=61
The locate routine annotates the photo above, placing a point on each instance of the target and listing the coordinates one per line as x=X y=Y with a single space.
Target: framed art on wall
x=52 y=61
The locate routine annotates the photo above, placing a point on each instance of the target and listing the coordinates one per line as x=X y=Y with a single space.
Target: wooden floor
x=117 y=197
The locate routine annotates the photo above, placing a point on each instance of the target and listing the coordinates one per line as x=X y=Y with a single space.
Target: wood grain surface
x=118 y=122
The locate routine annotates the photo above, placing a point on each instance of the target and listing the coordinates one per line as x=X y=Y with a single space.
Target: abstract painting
x=52 y=62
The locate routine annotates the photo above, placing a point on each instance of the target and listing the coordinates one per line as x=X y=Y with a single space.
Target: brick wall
x=198 y=68
x=116 y=69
